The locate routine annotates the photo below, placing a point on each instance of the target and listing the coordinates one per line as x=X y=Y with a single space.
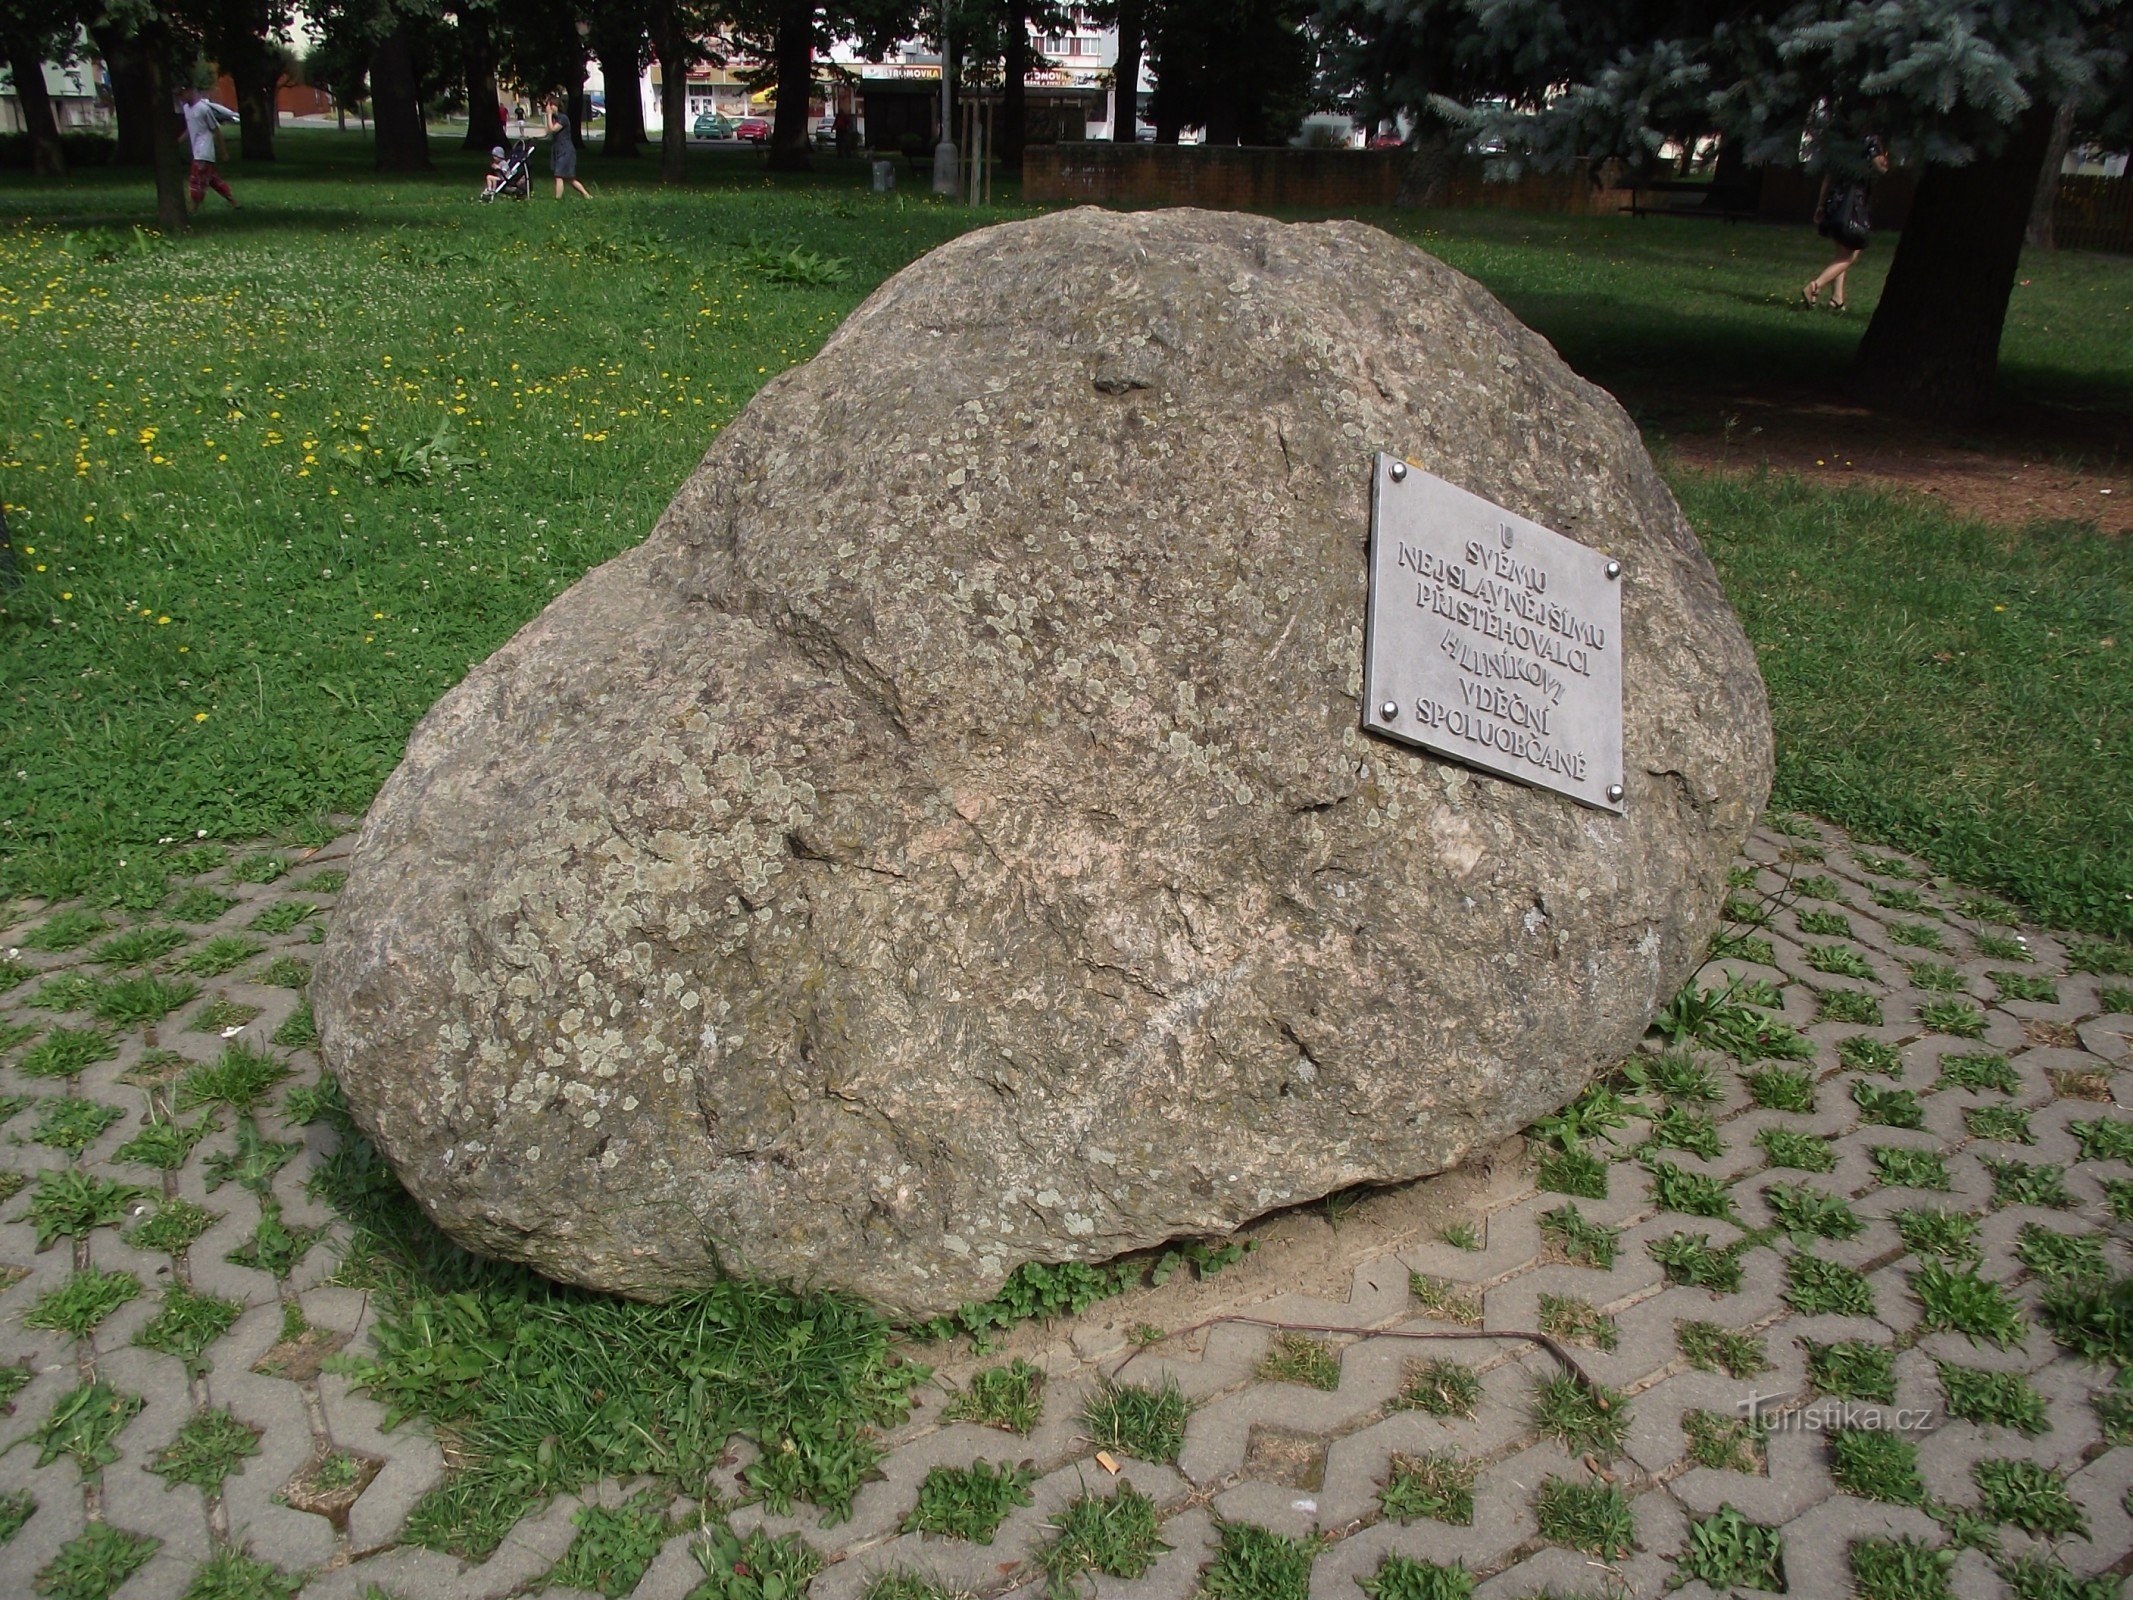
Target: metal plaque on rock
x=1491 y=639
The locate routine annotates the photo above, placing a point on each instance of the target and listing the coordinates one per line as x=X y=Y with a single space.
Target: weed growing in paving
x=1802 y=1152
x=1594 y=1420
x=2081 y=1083
x=1010 y=1397
x=2001 y=1399
x=1852 y=1369
x=1877 y=1465
x=1120 y=1536
x=1935 y=977
x=1440 y=1487
x=299 y=1031
x=1573 y=1172
x=2104 y=1139
x=2115 y=998
x=172 y=1227
x=1444 y=1300
x=15 y=1510
x=2054 y=1255
x=286 y=972
x=2118 y=1197
x=70 y=991
x=1576 y=1321
x=224 y=953
x=1674 y=1075
x=613 y=1546
x=137 y=947
x=66 y=1052
x=1806 y=1212
x=2092 y=1317
x=1960 y=1300
x=200 y=905
x=1749 y=947
x=220 y=1016
x=969 y=1502
x=1595 y=1116
x=95 y=1562
x=1781 y=1089
x=2026 y=986
x=1885 y=1107
x=1978 y=1072
x=1841 y=961
x=1723 y=1443
x=1818 y=1288
x=134 y=1002
x=1593 y=1517
x=1825 y=924
x=14 y=1378
x=164 y=1143
x=1709 y=1348
x=252 y=1159
x=1959 y=1017
x=68 y=1204
x=1901 y=899
x=1442 y=1388
x=14 y=1033
x=2028 y=1496
x=239 y=1078
x=1864 y=1053
x=1918 y=935
x=1678 y=1129
x=1849 y=1005
x=1253 y=1563
x=1900 y=1569
x=1691 y=1258
x=1690 y=1193
x=2114 y=1411
x=2036 y=1576
x=65 y=930
x=1998 y=1124
x=1588 y=1243
x=84 y=1425
x=1298 y=1358
x=899 y=1583
x=1902 y=1168
x=1727 y=1551
x=1462 y=1236
x=1147 y=1424
x=1999 y=947
x=1951 y=1235
x=1406 y=1578
x=79 y=1304
x=1818 y=886
x=71 y=1124
x=212 y=1445
x=187 y=1324
x=755 y=1568
x=2023 y=1183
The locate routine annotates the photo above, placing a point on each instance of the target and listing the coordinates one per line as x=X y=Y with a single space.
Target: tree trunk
x=1431 y=166
x=1014 y=88
x=255 y=70
x=670 y=40
x=402 y=143
x=2040 y=236
x=132 y=98
x=477 y=58
x=1933 y=348
x=621 y=52
x=1126 y=77
x=796 y=81
x=25 y=64
x=578 y=106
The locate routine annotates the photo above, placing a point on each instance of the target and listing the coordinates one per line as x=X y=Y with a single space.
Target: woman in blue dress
x=563 y=154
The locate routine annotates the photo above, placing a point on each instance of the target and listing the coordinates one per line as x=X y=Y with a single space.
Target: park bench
x=1689 y=197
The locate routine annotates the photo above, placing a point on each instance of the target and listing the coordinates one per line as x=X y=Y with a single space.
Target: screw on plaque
x=1614 y=791
x=1389 y=711
x=1398 y=470
x=1614 y=569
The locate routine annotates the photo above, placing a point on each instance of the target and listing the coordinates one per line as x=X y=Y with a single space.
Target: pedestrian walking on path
x=1842 y=217
x=203 y=133
x=563 y=154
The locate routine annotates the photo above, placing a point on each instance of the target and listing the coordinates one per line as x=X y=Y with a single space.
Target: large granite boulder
x=948 y=841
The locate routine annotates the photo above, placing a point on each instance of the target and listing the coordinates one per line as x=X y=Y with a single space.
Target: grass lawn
x=277 y=484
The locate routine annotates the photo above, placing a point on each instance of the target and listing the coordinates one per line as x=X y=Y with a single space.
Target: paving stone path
x=1797 y=1280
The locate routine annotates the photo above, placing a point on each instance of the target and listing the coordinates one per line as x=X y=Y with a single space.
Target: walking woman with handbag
x=1842 y=217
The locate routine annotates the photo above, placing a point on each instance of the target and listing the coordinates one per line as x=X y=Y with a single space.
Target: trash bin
x=884 y=177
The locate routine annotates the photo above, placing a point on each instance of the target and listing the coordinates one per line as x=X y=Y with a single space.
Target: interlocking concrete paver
x=1289 y=1457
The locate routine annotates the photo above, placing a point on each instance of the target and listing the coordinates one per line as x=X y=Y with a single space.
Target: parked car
x=752 y=129
x=1387 y=141
x=710 y=125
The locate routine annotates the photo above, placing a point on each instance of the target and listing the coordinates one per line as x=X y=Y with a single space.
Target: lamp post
x=947 y=176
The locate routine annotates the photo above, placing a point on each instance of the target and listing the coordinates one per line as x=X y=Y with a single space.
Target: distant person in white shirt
x=203 y=131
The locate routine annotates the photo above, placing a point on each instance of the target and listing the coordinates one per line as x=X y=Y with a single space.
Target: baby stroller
x=510 y=172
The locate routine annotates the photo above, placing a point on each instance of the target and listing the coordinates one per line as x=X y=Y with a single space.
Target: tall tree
x=242 y=36
x=789 y=34
x=398 y=43
x=1130 y=17
x=150 y=49
x=618 y=41
x=1963 y=89
x=1242 y=70
x=677 y=35
x=475 y=22
x=33 y=32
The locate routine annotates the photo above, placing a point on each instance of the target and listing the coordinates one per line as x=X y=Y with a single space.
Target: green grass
x=1803 y=1152
x=84 y=1426
x=2028 y=1496
x=1253 y=1563
x=1581 y=1240
x=172 y=1227
x=1726 y=1550
x=70 y=1124
x=1694 y=1194
x=1883 y=1107
x=16 y=1508
x=83 y=1301
x=1723 y=1443
x=1903 y=1568
x=1980 y=1072
x=223 y=953
x=1576 y=1321
x=2026 y=1183
x=1401 y=1577
x=1573 y=1172
x=1146 y=1423
x=1010 y=1397
x=613 y=1545
x=1902 y=1168
x=1583 y=1420
x=1818 y=1288
x=1299 y=1358
x=1876 y=1465
x=232 y=1572
x=1849 y=1005
x=1774 y=1088
x=1998 y=1124
x=1440 y=1487
x=69 y=1204
x=1852 y=1369
x=1443 y=1388
x=1864 y=1053
x=1445 y=1300
x=1806 y=1212
x=1594 y=1517
x=95 y=1562
x=1691 y=1258
x=1821 y=924
x=1936 y=1231
x=2054 y=1256
x=1709 y=1348
x=1120 y=1536
x=1997 y=1399
x=188 y=1322
x=757 y=1567
x=1962 y=1300
x=2104 y=1138
x=969 y=1502
x=212 y=1445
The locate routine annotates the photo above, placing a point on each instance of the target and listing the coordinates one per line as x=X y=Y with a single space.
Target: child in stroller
x=509 y=172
